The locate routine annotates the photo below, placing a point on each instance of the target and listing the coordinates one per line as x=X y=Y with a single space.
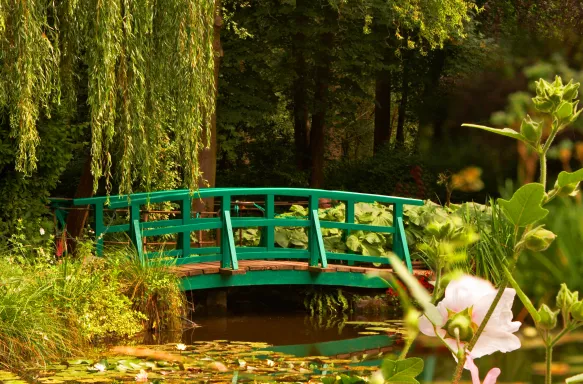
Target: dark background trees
x=364 y=95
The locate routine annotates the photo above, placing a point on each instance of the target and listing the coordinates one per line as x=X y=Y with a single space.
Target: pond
x=290 y=347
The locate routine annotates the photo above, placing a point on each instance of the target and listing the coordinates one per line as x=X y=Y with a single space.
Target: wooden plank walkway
x=210 y=268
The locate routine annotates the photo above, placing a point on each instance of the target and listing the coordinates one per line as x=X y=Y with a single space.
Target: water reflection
x=278 y=329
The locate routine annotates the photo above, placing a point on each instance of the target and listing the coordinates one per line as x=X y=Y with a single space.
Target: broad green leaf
x=353 y=243
x=504 y=132
x=371 y=250
x=402 y=371
x=281 y=239
x=574 y=379
x=566 y=178
x=419 y=293
x=525 y=206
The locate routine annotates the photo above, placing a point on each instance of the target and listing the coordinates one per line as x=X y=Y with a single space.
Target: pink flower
x=490 y=378
x=142 y=376
x=466 y=301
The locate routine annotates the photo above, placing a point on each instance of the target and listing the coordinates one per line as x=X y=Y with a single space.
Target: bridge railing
x=227 y=252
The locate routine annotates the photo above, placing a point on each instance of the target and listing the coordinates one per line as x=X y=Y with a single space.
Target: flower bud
x=548 y=318
x=564 y=110
x=539 y=239
x=566 y=298
x=542 y=104
x=462 y=323
x=570 y=91
x=577 y=310
x=531 y=130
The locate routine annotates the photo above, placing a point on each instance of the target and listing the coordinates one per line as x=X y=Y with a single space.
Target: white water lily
x=270 y=363
x=466 y=302
x=99 y=367
x=181 y=347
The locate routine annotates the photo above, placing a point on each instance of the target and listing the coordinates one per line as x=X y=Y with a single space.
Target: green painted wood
x=360 y=258
x=138 y=238
x=195 y=225
x=121 y=201
x=319 y=240
x=99 y=229
x=349 y=220
x=333 y=348
x=184 y=236
x=232 y=252
x=287 y=277
x=313 y=204
x=228 y=253
x=301 y=254
x=404 y=246
x=397 y=240
x=270 y=228
x=356 y=227
x=153 y=197
x=242 y=222
x=224 y=243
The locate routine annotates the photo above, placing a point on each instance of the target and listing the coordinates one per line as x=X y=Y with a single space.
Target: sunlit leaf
x=525 y=206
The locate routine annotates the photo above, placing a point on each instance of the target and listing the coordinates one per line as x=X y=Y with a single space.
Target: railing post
x=350 y=220
x=397 y=241
x=99 y=229
x=268 y=238
x=184 y=237
x=313 y=204
x=400 y=246
x=226 y=257
x=320 y=249
x=135 y=227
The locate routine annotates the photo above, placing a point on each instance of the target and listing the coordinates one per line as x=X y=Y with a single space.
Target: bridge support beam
x=216 y=301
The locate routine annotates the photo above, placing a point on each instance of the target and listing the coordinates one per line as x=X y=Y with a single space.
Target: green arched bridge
x=229 y=265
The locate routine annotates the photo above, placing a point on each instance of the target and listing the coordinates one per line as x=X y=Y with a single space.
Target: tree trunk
x=208 y=157
x=400 y=139
x=317 y=143
x=300 y=93
x=76 y=218
x=382 y=110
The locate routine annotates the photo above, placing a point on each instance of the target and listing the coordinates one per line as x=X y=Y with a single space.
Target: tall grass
x=31 y=328
x=495 y=245
x=154 y=291
x=53 y=310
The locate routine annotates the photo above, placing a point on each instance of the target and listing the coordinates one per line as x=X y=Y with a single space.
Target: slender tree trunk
x=208 y=157
x=76 y=218
x=382 y=110
x=400 y=139
x=317 y=137
x=300 y=93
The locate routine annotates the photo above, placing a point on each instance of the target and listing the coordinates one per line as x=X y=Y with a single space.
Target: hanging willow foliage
x=150 y=78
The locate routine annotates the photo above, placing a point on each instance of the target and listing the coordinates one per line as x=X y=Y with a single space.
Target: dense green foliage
x=52 y=310
x=138 y=98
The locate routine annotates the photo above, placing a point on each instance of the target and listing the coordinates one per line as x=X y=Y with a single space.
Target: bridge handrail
x=228 y=252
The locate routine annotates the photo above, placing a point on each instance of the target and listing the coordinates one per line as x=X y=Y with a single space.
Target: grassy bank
x=60 y=307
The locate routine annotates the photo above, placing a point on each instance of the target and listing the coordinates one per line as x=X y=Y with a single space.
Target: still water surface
x=302 y=335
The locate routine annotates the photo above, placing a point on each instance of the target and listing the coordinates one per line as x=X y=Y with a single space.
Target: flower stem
x=521 y=295
x=457 y=375
x=407 y=346
x=549 y=359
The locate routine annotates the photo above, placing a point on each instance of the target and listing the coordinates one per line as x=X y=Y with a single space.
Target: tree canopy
x=146 y=67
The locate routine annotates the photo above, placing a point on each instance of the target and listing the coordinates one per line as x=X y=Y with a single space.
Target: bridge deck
x=211 y=268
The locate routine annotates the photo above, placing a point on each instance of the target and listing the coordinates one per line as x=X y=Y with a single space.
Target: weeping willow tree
x=148 y=67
